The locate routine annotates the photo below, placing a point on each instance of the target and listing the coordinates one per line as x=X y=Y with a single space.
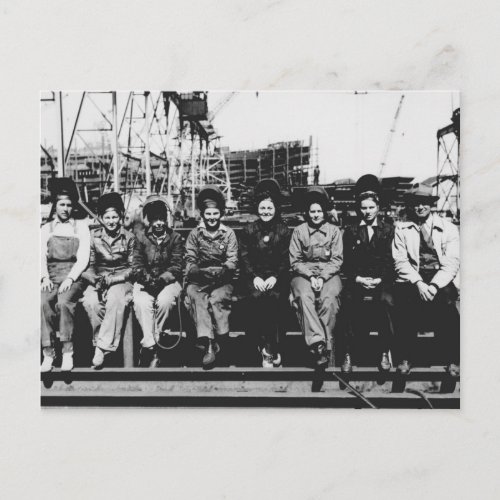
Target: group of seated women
x=272 y=267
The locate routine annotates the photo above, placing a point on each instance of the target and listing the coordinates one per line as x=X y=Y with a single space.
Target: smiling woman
x=111 y=219
x=315 y=260
x=265 y=271
x=109 y=275
x=211 y=260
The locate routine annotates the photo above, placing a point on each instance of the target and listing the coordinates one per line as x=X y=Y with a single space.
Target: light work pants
x=317 y=312
x=210 y=309
x=107 y=316
x=151 y=312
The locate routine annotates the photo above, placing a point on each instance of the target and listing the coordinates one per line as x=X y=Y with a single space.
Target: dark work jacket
x=265 y=258
x=369 y=258
x=114 y=258
x=204 y=250
x=162 y=260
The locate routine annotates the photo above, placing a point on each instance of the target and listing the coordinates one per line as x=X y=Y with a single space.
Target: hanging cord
x=356 y=392
x=168 y=332
x=422 y=395
x=158 y=334
x=89 y=212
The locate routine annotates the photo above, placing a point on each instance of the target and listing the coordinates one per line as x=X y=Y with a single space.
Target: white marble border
x=231 y=44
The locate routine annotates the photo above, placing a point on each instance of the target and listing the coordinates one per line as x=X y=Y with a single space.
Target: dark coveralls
x=208 y=299
x=107 y=311
x=161 y=259
x=61 y=256
x=372 y=258
x=264 y=253
x=316 y=252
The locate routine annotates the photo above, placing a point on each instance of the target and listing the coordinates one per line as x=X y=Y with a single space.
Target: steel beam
x=266 y=400
x=422 y=388
x=60 y=155
x=114 y=145
x=75 y=126
x=147 y=157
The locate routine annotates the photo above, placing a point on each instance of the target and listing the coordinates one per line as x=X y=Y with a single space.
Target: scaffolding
x=160 y=142
x=448 y=160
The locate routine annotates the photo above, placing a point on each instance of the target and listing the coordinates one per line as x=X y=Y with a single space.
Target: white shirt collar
x=56 y=221
x=222 y=227
x=363 y=223
x=434 y=221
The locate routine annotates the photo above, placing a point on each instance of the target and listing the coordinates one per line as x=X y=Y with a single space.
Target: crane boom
x=221 y=104
x=390 y=137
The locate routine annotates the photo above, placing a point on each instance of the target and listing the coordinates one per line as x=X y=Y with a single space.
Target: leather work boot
x=155 y=361
x=209 y=357
x=67 y=362
x=346 y=365
x=149 y=357
x=453 y=370
x=385 y=365
x=277 y=360
x=404 y=367
x=47 y=364
x=321 y=355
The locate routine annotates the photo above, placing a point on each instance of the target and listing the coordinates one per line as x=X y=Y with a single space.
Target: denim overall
x=58 y=310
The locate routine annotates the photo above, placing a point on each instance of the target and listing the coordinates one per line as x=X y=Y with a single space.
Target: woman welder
x=315 y=259
x=158 y=261
x=211 y=259
x=65 y=246
x=265 y=266
x=368 y=267
x=107 y=298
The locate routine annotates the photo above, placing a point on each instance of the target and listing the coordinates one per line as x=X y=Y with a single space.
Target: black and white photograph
x=250 y=248
x=230 y=231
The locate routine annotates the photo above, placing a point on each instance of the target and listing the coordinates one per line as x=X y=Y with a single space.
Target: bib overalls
x=58 y=309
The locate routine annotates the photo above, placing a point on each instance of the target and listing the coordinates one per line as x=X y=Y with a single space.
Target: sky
x=350 y=130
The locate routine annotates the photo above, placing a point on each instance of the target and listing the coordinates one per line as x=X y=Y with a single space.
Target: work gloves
x=213 y=275
x=152 y=285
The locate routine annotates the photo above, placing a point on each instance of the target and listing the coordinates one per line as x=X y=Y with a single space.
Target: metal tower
x=448 y=160
x=148 y=142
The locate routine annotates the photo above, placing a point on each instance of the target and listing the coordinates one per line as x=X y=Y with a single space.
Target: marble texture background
x=239 y=453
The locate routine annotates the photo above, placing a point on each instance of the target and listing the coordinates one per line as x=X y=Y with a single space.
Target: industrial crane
x=218 y=107
x=390 y=137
